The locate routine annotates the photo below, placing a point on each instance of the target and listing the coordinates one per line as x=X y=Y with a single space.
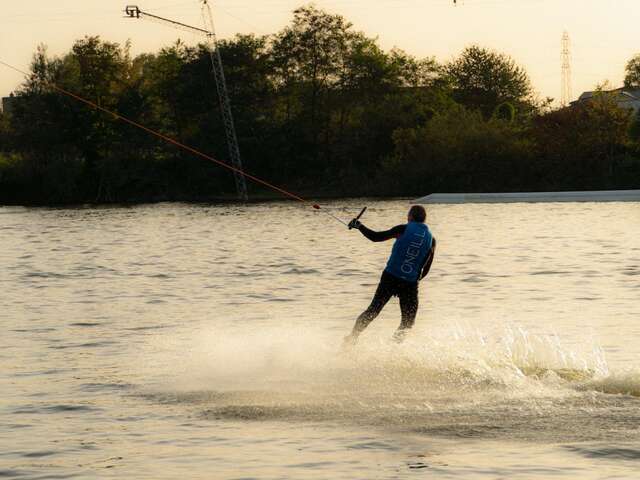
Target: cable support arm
x=133 y=11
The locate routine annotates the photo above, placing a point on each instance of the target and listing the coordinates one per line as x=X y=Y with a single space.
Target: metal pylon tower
x=209 y=33
x=565 y=56
x=225 y=104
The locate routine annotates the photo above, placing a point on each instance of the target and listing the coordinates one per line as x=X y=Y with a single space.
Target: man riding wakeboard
x=410 y=261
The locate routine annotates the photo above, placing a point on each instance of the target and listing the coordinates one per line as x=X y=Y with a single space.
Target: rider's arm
x=374 y=236
x=429 y=260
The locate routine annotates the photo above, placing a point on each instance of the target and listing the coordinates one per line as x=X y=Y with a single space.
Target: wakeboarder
x=410 y=261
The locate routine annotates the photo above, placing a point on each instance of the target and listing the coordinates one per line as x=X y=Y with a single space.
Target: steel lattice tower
x=565 y=55
x=225 y=104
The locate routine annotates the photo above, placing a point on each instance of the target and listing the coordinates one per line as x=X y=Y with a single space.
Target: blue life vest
x=409 y=252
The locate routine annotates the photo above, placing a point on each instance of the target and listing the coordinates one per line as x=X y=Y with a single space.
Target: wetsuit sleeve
x=374 y=236
x=429 y=260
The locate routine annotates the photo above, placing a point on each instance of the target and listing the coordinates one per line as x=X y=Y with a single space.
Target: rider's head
x=417 y=213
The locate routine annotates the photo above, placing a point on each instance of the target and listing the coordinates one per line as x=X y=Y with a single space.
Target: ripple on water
x=98 y=387
x=62 y=408
x=103 y=343
x=608 y=452
x=10 y=473
x=39 y=454
x=41 y=372
x=37 y=274
x=148 y=327
x=551 y=272
x=300 y=271
x=368 y=444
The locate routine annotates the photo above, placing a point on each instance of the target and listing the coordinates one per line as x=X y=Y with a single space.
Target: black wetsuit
x=389 y=286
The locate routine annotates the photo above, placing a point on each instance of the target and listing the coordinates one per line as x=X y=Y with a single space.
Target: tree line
x=319 y=108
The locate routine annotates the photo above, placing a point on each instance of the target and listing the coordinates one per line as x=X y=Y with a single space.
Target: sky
x=604 y=33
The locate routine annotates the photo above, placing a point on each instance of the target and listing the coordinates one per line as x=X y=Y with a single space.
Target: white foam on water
x=308 y=365
x=456 y=381
x=619 y=383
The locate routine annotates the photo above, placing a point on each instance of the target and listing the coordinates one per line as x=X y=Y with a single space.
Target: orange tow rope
x=180 y=144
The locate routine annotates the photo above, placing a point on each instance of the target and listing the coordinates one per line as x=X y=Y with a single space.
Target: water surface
x=202 y=341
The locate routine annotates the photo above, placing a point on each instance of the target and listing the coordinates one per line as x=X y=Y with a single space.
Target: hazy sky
x=604 y=33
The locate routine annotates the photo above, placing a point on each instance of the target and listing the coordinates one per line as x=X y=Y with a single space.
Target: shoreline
x=223 y=200
x=434 y=198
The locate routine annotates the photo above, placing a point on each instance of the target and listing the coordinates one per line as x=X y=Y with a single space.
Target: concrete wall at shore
x=528 y=197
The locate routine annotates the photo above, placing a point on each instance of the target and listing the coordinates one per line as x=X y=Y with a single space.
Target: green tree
x=461 y=151
x=59 y=134
x=634 y=129
x=632 y=72
x=483 y=79
x=5 y=128
x=341 y=96
x=412 y=72
x=308 y=58
x=580 y=145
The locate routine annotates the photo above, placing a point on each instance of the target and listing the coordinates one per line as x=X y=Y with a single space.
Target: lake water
x=203 y=341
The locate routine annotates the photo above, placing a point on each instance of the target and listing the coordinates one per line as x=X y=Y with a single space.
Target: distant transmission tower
x=565 y=89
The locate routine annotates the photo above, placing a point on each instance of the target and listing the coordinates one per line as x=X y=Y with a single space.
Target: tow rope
x=183 y=146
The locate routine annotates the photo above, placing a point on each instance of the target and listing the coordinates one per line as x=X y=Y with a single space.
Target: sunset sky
x=604 y=33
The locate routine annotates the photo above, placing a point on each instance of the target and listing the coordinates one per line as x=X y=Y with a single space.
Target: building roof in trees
x=625 y=97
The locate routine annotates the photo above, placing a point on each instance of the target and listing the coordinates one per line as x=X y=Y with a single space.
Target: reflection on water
x=202 y=341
